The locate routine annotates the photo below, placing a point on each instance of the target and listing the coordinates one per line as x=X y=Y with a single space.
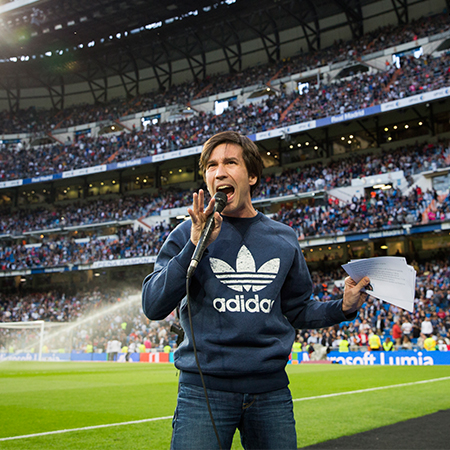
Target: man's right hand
x=199 y=215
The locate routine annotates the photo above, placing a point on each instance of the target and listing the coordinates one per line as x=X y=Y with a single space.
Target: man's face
x=226 y=171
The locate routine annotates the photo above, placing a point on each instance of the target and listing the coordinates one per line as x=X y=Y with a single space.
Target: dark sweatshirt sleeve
x=297 y=305
x=164 y=289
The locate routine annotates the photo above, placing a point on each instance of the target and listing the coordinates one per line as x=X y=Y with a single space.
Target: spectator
x=430 y=343
x=406 y=327
x=397 y=333
x=406 y=343
x=388 y=345
x=426 y=326
x=374 y=341
x=344 y=344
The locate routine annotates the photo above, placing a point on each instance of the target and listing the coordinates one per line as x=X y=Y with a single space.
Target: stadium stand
x=432 y=299
x=384 y=190
x=357 y=92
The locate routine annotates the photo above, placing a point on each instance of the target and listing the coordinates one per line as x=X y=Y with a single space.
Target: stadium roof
x=52 y=43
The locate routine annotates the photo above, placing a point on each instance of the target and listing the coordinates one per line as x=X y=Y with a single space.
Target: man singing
x=249 y=293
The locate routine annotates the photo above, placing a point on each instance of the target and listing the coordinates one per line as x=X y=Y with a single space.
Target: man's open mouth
x=227 y=190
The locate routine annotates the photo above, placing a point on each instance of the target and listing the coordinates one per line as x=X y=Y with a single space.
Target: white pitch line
x=413 y=383
x=360 y=391
x=93 y=427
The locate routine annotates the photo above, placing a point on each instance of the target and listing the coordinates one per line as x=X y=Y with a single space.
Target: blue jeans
x=265 y=421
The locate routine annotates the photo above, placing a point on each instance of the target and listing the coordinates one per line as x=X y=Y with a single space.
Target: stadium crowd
x=411 y=159
x=55 y=251
x=101 y=320
x=384 y=210
x=35 y=121
x=97 y=211
x=335 y=97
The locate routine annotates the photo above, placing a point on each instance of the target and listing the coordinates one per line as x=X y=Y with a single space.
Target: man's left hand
x=353 y=297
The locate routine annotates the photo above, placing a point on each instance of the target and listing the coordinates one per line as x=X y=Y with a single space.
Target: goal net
x=44 y=339
x=24 y=337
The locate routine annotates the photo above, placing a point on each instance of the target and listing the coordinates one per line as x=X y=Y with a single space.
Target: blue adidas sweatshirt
x=249 y=293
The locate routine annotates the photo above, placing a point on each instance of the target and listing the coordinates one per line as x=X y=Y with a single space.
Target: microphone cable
x=194 y=346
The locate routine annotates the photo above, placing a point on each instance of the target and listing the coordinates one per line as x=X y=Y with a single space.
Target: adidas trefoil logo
x=245 y=277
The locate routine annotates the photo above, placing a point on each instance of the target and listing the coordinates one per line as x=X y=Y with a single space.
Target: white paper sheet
x=391 y=278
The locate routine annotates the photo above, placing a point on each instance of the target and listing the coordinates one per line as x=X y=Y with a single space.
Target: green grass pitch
x=43 y=397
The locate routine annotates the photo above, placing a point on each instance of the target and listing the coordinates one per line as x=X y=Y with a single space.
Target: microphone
x=221 y=202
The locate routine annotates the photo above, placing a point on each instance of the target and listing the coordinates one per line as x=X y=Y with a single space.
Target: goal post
x=58 y=335
x=40 y=325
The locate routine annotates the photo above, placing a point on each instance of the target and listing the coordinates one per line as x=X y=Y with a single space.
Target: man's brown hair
x=250 y=153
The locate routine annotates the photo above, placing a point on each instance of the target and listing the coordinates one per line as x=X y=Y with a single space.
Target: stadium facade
x=262 y=61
